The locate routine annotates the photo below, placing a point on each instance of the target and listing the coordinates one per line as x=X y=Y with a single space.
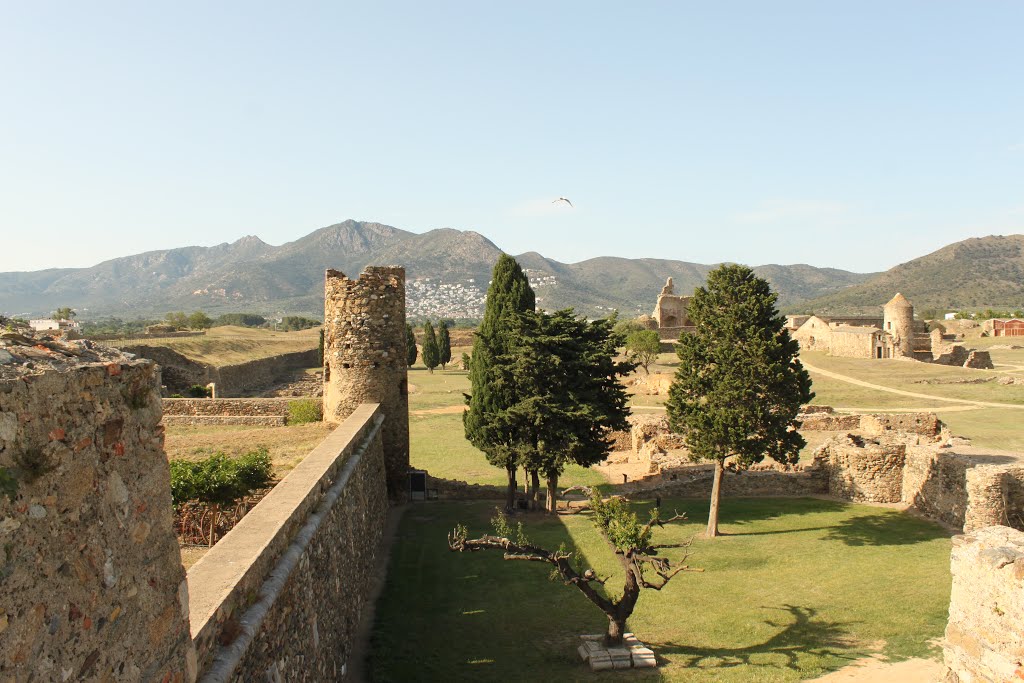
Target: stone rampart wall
x=238 y=420
x=277 y=407
x=985 y=633
x=870 y=473
x=91 y=582
x=177 y=372
x=234 y=380
x=280 y=596
x=695 y=481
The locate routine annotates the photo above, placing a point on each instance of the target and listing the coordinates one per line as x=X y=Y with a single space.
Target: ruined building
x=893 y=335
x=671 y=313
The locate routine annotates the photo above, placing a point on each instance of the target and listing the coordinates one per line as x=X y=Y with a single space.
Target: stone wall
x=92 y=586
x=866 y=472
x=695 y=481
x=365 y=357
x=180 y=372
x=935 y=483
x=235 y=380
x=280 y=596
x=985 y=633
x=995 y=496
x=267 y=412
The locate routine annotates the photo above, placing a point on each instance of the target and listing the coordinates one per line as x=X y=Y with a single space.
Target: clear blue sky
x=855 y=135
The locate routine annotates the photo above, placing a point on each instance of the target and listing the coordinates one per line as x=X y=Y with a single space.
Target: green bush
x=305 y=410
x=198 y=391
x=219 y=480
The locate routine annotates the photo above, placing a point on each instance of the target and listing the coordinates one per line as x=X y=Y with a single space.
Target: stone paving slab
x=631 y=654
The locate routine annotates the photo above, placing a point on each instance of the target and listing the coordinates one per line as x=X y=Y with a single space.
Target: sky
x=853 y=135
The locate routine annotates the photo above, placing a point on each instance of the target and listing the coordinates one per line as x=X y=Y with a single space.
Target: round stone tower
x=898 y=320
x=365 y=358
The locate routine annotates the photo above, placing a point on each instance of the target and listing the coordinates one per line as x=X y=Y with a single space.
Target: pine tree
x=431 y=352
x=508 y=294
x=444 y=344
x=740 y=383
x=410 y=345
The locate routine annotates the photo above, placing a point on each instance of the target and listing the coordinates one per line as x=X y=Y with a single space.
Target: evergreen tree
x=740 y=383
x=508 y=294
x=444 y=344
x=431 y=351
x=410 y=345
x=564 y=374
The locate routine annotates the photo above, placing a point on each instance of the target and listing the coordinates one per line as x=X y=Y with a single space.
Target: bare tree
x=632 y=542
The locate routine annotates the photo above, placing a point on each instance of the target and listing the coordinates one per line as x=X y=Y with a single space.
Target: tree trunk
x=616 y=629
x=534 y=490
x=510 y=499
x=551 y=505
x=716 y=494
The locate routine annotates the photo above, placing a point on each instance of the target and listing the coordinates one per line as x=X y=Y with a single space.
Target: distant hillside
x=448 y=271
x=978 y=272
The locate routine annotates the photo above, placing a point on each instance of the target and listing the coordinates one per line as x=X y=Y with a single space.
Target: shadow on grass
x=884 y=529
x=803 y=636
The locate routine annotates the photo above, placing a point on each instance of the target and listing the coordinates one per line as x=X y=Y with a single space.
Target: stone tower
x=365 y=358
x=898 y=320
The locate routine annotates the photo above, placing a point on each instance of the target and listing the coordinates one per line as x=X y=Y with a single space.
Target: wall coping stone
x=245 y=557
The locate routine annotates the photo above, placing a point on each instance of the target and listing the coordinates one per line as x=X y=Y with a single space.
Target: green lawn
x=797 y=588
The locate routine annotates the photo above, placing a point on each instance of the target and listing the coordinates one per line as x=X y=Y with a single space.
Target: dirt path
x=877 y=670
x=929 y=397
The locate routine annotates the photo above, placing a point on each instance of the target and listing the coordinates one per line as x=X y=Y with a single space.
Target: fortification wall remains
x=935 y=483
x=263 y=412
x=866 y=472
x=280 y=596
x=177 y=372
x=985 y=633
x=365 y=357
x=93 y=588
x=234 y=380
x=995 y=496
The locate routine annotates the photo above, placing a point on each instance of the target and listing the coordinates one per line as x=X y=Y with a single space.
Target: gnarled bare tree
x=642 y=565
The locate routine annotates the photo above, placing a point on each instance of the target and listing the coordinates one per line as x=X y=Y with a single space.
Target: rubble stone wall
x=985 y=633
x=935 y=483
x=870 y=473
x=365 y=357
x=878 y=424
x=226 y=406
x=92 y=585
x=297 y=568
x=995 y=497
x=177 y=372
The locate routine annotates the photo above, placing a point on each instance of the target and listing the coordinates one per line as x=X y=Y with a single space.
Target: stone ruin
x=90 y=558
x=365 y=357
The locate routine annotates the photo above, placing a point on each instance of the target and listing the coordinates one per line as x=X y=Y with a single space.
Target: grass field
x=229 y=344
x=797 y=588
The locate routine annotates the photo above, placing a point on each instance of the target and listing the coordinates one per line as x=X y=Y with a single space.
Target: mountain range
x=448 y=271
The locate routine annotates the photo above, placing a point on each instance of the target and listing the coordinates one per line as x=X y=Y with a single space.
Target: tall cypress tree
x=410 y=346
x=569 y=397
x=508 y=295
x=740 y=383
x=431 y=352
x=444 y=343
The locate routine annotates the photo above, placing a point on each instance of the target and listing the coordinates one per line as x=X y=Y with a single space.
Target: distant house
x=49 y=324
x=950 y=316
x=1004 y=327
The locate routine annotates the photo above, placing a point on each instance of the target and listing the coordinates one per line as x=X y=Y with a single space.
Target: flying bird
x=562 y=199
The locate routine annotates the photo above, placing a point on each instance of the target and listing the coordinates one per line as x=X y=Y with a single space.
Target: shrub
x=198 y=391
x=305 y=410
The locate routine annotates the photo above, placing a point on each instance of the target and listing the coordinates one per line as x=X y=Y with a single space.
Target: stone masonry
x=91 y=582
x=365 y=358
x=985 y=633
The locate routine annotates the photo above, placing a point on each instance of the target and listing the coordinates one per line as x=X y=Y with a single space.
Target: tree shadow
x=885 y=529
x=803 y=636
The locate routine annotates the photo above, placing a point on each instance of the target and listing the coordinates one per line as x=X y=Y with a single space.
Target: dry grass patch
x=287 y=445
x=229 y=345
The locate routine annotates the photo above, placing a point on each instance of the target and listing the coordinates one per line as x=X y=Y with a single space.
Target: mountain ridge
x=448 y=271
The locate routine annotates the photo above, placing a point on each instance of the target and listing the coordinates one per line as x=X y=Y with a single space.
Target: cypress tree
x=740 y=383
x=444 y=343
x=508 y=295
x=431 y=352
x=410 y=345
